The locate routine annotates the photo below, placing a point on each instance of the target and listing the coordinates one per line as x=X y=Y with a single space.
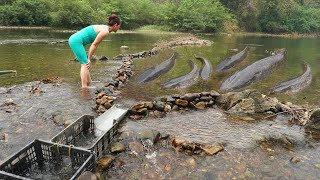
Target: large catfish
x=231 y=61
x=254 y=72
x=296 y=84
x=157 y=71
x=206 y=68
x=184 y=80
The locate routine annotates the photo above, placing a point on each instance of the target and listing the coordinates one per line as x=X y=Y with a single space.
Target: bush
x=304 y=20
x=73 y=14
x=25 y=12
x=196 y=15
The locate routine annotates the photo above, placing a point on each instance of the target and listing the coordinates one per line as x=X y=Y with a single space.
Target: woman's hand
x=89 y=64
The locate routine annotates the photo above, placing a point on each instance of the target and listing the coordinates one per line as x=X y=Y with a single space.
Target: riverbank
x=289 y=35
x=163 y=30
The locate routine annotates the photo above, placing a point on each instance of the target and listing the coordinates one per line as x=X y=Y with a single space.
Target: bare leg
x=84 y=75
x=89 y=78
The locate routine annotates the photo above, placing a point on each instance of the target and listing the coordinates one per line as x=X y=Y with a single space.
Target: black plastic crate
x=48 y=160
x=83 y=128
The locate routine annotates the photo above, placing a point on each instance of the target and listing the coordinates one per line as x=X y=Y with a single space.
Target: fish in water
x=296 y=84
x=231 y=61
x=184 y=80
x=157 y=71
x=8 y=72
x=206 y=68
x=254 y=72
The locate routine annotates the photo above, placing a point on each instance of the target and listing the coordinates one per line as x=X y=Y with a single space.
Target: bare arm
x=94 y=45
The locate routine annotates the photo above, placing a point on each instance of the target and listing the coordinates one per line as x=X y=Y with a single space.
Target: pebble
x=87 y=175
x=118 y=147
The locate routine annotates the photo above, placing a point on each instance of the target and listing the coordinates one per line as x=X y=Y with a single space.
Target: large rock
x=153 y=135
x=314 y=120
x=105 y=162
x=248 y=102
x=230 y=99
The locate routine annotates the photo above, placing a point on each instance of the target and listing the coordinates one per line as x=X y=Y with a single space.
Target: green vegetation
x=267 y=16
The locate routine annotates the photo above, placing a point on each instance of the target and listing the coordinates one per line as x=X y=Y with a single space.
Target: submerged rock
x=105 y=162
x=153 y=135
x=314 y=120
x=248 y=102
x=136 y=146
x=87 y=175
x=118 y=147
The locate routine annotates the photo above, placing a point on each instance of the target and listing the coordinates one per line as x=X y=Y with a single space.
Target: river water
x=38 y=54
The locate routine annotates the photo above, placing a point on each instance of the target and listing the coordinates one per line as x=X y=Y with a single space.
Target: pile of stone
x=165 y=104
x=191 y=148
x=142 y=54
x=189 y=40
x=106 y=95
x=246 y=103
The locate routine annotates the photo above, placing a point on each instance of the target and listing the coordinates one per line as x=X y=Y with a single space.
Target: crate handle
x=70 y=147
x=57 y=146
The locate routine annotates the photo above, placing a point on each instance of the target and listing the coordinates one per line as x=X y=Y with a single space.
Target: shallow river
x=38 y=54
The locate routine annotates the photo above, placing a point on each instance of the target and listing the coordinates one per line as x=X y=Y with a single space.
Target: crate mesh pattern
x=85 y=124
x=38 y=152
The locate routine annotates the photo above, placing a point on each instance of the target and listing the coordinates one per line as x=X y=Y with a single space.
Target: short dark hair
x=113 y=19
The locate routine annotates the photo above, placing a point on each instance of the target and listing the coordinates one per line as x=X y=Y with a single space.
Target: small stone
x=9 y=102
x=87 y=175
x=183 y=103
x=241 y=167
x=167 y=168
x=192 y=162
x=143 y=111
x=136 y=147
x=136 y=117
x=159 y=105
x=190 y=96
x=159 y=114
x=148 y=105
x=210 y=103
x=102 y=109
x=105 y=162
x=18 y=131
x=153 y=135
x=118 y=147
x=5 y=137
x=124 y=48
x=214 y=93
x=178 y=142
x=212 y=149
x=100 y=95
x=201 y=105
x=122 y=78
x=295 y=160
x=167 y=108
x=137 y=106
x=100 y=175
x=175 y=108
x=107 y=105
x=98 y=101
x=67 y=123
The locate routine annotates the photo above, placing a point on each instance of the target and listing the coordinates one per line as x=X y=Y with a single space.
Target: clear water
x=51 y=170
